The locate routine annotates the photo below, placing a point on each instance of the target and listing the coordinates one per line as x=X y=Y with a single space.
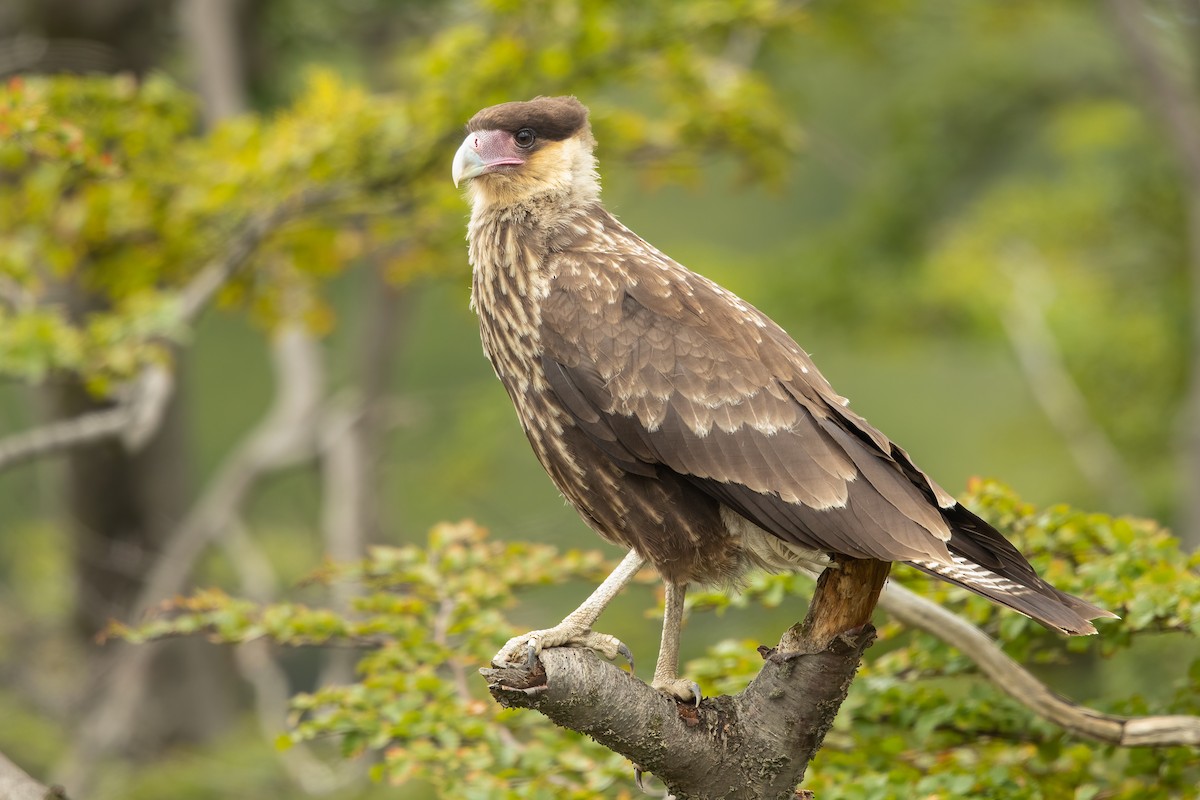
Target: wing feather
x=690 y=378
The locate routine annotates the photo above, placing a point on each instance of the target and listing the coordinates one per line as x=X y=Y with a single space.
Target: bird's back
x=661 y=514
x=678 y=419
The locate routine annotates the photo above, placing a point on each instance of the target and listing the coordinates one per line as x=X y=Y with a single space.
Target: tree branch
x=284 y=437
x=259 y=668
x=140 y=407
x=756 y=744
x=729 y=747
x=1173 y=103
x=15 y=784
x=1017 y=682
x=135 y=418
x=1053 y=387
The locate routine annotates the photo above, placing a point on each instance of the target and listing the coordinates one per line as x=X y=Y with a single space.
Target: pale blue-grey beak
x=467 y=162
x=483 y=152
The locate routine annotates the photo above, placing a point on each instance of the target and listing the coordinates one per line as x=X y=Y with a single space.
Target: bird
x=680 y=421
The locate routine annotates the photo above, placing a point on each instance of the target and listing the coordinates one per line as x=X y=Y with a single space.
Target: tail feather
x=986 y=563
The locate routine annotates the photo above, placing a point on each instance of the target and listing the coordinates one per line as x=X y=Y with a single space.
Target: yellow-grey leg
x=666 y=671
x=576 y=629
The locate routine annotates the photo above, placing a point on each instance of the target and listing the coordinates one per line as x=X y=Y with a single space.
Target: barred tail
x=986 y=563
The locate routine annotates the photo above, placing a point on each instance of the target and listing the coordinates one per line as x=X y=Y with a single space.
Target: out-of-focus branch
x=344 y=501
x=1174 y=104
x=134 y=419
x=15 y=784
x=199 y=292
x=282 y=439
x=210 y=32
x=353 y=433
x=141 y=405
x=268 y=680
x=382 y=338
x=1015 y=681
x=1168 y=95
x=1057 y=392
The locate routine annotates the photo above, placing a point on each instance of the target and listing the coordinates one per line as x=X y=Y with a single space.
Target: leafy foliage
x=957 y=147
x=920 y=718
x=428 y=617
x=1009 y=165
x=110 y=202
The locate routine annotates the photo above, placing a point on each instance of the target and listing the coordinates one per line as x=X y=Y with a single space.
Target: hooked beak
x=483 y=152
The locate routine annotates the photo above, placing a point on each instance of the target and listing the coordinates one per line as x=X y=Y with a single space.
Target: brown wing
x=663 y=368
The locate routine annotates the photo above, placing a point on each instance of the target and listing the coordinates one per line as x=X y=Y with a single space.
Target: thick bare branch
x=15 y=784
x=756 y=744
x=1015 y=681
x=843 y=601
x=753 y=745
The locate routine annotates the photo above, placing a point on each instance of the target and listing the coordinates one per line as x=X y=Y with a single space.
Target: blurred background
x=983 y=221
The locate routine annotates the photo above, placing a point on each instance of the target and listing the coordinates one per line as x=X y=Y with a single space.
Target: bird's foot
x=524 y=649
x=680 y=689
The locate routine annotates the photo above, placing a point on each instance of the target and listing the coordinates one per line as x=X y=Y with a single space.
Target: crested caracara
x=679 y=420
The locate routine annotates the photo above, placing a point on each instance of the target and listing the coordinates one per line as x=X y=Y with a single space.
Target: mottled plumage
x=678 y=419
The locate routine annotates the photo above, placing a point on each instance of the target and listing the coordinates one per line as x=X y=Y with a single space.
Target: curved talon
x=625 y=652
x=637 y=780
x=682 y=691
x=525 y=649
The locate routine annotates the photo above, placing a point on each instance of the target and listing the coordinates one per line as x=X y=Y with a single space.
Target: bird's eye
x=525 y=138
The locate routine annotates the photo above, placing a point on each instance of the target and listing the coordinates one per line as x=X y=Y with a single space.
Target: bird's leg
x=576 y=629
x=666 y=671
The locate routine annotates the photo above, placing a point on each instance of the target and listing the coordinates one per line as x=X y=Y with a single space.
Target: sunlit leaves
x=110 y=192
x=920 y=721
x=428 y=617
x=919 y=718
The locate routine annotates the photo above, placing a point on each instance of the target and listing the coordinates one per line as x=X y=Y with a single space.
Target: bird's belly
x=764 y=550
x=687 y=535
x=672 y=524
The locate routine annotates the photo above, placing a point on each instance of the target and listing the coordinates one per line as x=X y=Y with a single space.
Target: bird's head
x=516 y=151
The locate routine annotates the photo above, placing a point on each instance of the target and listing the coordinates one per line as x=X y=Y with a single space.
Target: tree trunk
x=121 y=507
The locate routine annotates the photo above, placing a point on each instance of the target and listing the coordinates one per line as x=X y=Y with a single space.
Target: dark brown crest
x=554 y=118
